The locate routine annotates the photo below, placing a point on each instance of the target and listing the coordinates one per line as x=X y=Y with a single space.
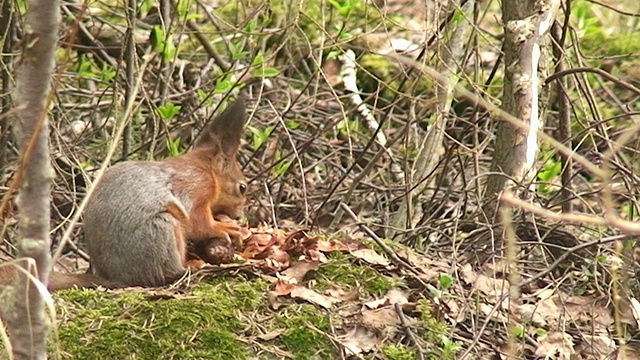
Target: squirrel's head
x=220 y=141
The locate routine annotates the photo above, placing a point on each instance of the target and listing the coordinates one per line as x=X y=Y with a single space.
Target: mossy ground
x=203 y=323
x=220 y=317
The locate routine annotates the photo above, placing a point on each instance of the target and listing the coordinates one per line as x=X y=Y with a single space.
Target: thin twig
x=407 y=330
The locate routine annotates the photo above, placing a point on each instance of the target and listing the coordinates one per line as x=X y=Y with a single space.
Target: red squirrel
x=143 y=214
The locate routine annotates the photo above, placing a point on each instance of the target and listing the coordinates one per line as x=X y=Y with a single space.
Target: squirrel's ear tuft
x=226 y=129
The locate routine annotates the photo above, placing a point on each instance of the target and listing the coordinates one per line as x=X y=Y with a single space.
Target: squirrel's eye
x=242 y=187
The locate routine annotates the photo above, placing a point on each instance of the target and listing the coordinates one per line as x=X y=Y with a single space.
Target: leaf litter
x=550 y=317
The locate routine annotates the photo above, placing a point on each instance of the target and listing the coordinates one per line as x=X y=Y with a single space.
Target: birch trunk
x=513 y=164
x=26 y=319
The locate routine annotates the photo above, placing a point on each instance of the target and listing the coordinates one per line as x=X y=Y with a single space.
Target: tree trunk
x=27 y=324
x=516 y=150
x=432 y=148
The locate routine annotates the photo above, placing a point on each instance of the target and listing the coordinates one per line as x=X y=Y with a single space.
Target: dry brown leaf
x=339 y=293
x=313 y=297
x=391 y=298
x=492 y=288
x=467 y=274
x=299 y=241
x=456 y=312
x=630 y=351
x=511 y=351
x=384 y=318
x=596 y=347
x=299 y=270
x=342 y=245
x=587 y=309
x=271 y=335
x=550 y=307
x=331 y=69
x=331 y=245
x=632 y=315
x=397 y=297
x=374 y=304
x=495 y=268
x=543 y=311
x=277 y=258
x=430 y=269
x=359 y=340
x=555 y=345
x=283 y=287
x=315 y=255
x=371 y=257
x=496 y=315
x=349 y=310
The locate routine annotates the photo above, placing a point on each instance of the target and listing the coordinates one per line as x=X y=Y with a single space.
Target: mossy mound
x=230 y=317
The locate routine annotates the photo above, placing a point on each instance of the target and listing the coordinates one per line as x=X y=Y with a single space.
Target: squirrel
x=143 y=215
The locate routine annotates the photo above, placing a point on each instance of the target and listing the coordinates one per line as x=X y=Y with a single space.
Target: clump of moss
x=343 y=269
x=221 y=318
x=204 y=324
x=398 y=352
x=303 y=336
x=436 y=333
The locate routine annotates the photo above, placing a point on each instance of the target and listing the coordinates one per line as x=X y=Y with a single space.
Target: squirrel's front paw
x=230 y=231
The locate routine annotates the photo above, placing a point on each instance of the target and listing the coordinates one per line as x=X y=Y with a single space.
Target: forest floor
x=443 y=289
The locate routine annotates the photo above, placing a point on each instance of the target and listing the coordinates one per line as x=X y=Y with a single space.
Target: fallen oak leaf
x=338 y=293
x=273 y=299
x=299 y=270
x=256 y=244
x=384 y=318
x=370 y=256
x=331 y=245
x=275 y=264
x=374 y=304
x=261 y=239
x=315 y=255
x=299 y=242
x=430 y=269
x=392 y=297
x=395 y=296
x=342 y=245
x=297 y=236
x=380 y=318
x=359 y=340
x=555 y=345
x=304 y=293
x=271 y=335
x=284 y=287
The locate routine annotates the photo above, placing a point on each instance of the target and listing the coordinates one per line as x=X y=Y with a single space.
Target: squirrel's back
x=125 y=213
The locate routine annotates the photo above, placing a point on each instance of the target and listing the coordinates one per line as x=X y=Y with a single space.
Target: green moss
x=436 y=334
x=398 y=352
x=303 y=337
x=216 y=319
x=203 y=324
x=434 y=328
x=344 y=269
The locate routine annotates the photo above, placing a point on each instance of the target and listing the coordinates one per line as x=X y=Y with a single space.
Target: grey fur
x=127 y=232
